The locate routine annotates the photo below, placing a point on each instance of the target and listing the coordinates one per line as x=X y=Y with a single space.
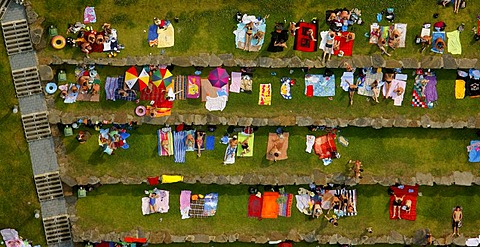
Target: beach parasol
x=143 y=79
x=131 y=77
x=162 y=76
x=218 y=77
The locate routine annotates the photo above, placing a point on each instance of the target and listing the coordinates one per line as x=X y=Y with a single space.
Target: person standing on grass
x=457 y=217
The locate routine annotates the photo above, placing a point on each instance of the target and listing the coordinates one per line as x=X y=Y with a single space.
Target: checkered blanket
x=132 y=96
x=196 y=208
x=418 y=99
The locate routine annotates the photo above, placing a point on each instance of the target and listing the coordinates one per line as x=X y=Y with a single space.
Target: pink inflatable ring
x=140 y=110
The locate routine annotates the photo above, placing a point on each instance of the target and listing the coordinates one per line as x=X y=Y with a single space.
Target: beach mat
x=411 y=193
x=166 y=37
x=242 y=137
x=207 y=90
x=235 y=82
x=435 y=36
x=179 y=146
x=255 y=206
x=285 y=205
x=325 y=146
x=282 y=146
x=303 y=42
x=454 y=46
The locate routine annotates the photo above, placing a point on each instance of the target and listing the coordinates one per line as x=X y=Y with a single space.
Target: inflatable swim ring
x=140 y=110
x=51 y=88
x=58 y=42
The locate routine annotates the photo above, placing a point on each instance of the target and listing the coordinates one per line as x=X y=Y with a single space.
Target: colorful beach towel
x=277 y=143
x=303 y=40
x=319 y=85
x=325 y=146
x=235 y=82
x=193 y=87
x=185 y=203
x=255 y=206
x=265 y=95
x=454 y=45
x=190 y=140
x=351 y=196
x=179 y=146
x=474 y=151
x=285 y=88
x=89 y=15
x=111 y=84
x=270 y=205
x=285 y=205
x=229 y=157
x=409 y=193
x=418 y=97
x=152 y=35
x=165 y=142
x=258 y=30
x=248 y=152
x=131 y=95
x=211 y=202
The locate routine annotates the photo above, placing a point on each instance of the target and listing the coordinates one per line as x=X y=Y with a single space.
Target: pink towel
x=185 y=199
x=236 y=81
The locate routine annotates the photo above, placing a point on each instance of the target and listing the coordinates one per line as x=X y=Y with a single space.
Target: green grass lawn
x=206 y=26
x=18 y=198
x=117 y=208
x=394 y=152
x=447 y=107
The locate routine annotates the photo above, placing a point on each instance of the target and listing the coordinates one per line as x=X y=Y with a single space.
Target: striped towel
x=111 y=85
x=179 y=146
x=352 y=197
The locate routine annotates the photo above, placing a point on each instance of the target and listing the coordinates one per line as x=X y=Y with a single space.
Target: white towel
x=145 y=205
x=347 y=76
x=216 y=104
x=310 y=142
x=323 y=42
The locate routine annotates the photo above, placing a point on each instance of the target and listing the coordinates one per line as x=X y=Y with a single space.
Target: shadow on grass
x=97 y=157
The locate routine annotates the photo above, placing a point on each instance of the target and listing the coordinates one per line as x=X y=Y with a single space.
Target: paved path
x=33 y=108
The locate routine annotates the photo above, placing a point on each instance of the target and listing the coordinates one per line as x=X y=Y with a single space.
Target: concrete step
x=36 y=126
x=17 y=36
x=57 y=229
x=49 y=186
x=3 y=7
x=26 y=81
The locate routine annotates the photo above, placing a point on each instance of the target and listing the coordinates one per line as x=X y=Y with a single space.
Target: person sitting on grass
x=381 y=45
x=376 y=90
x=279 y=39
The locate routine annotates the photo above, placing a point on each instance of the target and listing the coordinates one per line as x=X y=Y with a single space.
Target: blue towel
x=435 y=36
x=210 y=142
x=179 y=146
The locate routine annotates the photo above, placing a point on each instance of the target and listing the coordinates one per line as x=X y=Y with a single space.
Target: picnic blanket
x=285 y=205
x=211 y=202
x=131 y=95
x=274 y=141
x=265 y=94
x=166 y=36
x=454 y=45
x=185 y=203
x=242 y=137
x=345 y=48
x=229 y=157
x=474 y=151
x=346 y=78
x=111 y=85
x=255 y=206
x=325 y=146
x=424 y=91
x=303 y=41
x=236 y=80
x=318 y=85
x=411 y=193
x=270 y=205
x=259 y=28
x=89 y=15
x=193 y=91
x=364 y=83
x=179 y=146
x=435 y=36
x=165 y=142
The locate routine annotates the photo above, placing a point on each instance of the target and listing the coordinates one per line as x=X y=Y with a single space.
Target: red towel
x=325 y=146
x=346 y=47
x=152 y=180
x=411 y=193
x=303 y=41
x=309 y=92
x=135 y=240
x=255 y=207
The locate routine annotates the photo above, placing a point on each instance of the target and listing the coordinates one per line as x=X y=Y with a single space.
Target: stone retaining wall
x=445 y=61
x=295 y=236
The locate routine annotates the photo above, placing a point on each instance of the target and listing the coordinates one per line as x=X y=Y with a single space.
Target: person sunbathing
x=398 y=90
x=375 y=35
x=381 y=45
x=190 y=141
x=440 y=44
x=311 y=34
x=408 y=206
x=393 y=38
x=152 y=198
x=165 y=144
x=199 y=143
x=397 y=205
x=349 y=37
x=376 y=90
x=332 y=220
x=248 y=35
x=259 y=35
x=245 y=146
x=352 y=88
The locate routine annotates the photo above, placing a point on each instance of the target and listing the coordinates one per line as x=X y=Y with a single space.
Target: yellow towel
x=166 y=179
x=166 y=37
x=459 y=89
